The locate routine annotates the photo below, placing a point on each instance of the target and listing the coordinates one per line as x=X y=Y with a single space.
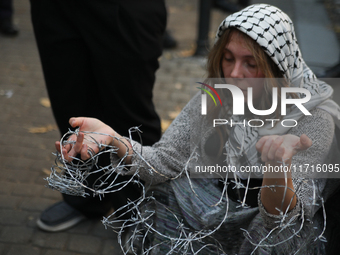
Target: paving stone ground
x=28 y=132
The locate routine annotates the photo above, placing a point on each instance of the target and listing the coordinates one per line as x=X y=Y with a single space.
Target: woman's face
x=238 y=63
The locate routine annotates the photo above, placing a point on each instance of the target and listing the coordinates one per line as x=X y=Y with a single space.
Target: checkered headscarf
x=273 y=30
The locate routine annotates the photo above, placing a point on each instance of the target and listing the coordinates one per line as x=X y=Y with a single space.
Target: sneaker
x=168 y=41
x=59 y=217
x=7 y=28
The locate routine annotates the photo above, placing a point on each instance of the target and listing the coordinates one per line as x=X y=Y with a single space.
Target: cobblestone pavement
x=28 y=132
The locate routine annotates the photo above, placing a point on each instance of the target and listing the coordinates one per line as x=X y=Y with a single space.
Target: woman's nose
x=237 y=72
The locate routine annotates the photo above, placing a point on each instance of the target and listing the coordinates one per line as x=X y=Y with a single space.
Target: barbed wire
x=135 y=232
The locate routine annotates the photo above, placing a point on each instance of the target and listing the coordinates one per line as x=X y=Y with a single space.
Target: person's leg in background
x=7 y=27
x=125 y=61
x=86 y=75
x=71 y=88
x=124 y=55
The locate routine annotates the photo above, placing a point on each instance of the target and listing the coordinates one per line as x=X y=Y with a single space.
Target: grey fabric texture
x=169 y=157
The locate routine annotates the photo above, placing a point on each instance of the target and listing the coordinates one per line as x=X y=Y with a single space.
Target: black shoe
x=7 y=28
x=225 y=6
x=168 y=41
x=59 y=217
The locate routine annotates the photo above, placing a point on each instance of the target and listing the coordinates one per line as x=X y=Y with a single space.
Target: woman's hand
x=82 y=146
x=275 y=149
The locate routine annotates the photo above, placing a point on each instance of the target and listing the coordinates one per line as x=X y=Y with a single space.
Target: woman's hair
x=263 y=61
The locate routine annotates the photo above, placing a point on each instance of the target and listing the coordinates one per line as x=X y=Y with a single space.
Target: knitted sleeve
x=166 y=159
x=320 y=129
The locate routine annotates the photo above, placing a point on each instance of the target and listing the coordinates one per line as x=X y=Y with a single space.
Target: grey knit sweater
x=170 y=155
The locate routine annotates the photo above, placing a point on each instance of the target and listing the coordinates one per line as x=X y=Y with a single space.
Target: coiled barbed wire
x=71 y=178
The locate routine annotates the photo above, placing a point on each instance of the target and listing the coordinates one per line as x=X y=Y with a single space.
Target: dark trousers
x=99 y=59
x=6 y=9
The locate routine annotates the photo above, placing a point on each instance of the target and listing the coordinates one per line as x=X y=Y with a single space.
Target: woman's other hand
x=276 y=148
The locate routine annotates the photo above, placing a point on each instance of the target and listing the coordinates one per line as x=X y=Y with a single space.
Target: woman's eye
x=251 y=65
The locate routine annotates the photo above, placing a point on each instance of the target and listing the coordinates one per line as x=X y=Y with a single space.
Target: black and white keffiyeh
x=273 y=30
